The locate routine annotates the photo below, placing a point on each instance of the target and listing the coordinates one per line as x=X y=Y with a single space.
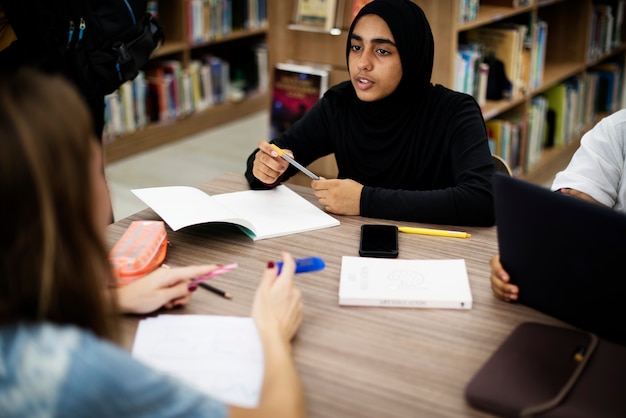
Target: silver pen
x=294 y=163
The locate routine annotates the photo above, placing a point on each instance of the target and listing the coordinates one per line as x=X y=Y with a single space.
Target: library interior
x=213 y=74
x=233 y=72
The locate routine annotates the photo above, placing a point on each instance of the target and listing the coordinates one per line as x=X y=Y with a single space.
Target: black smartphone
x=379 y=241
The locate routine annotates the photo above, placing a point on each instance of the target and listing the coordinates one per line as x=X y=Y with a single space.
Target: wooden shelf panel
x=490 y=14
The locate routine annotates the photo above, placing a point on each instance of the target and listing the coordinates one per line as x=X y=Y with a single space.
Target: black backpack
x=99 y=44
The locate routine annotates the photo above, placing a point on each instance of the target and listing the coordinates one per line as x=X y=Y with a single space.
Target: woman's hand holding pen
x=163 y=288
x=341 y=197
x=268 y=167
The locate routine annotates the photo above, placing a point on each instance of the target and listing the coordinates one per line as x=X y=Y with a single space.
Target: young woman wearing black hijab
x=406 y=149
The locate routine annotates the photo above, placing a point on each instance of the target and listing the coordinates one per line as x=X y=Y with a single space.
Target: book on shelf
x=248 y=14
x=174 y=71
x=619 y=22
x=576 y=91
x=505 y=139
x=125 y=108
x=208 y=20
x=319 y=14
x=357 y=5
x=260 y=214
x=537 y=131
x=506 y=43
x=206 y=82
x=538 y=54
x=368 y=281
x=262 y=65
x=198 y=99
x=468 y=11
x=590 y=113
x=128 y=106
x=219 y=70
x=113 y=116
x=609 y=86
x=468 y=69
x=139 y=93
x=495 y=135
x=557 y=114
x=483 y=79
x=159 y=98
x=602 y=34
x=564 y=115
x=297 y=87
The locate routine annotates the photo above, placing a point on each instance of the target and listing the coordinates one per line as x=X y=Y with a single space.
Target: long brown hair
x=53 y=259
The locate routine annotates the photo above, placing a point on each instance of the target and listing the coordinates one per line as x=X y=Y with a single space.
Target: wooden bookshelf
x=174 y=18
x=569 y=31
x=155 y=135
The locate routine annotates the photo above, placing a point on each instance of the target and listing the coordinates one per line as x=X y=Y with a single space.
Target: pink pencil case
x=140 y=250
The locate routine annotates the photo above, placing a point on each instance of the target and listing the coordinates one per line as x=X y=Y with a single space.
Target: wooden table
x=357 y=361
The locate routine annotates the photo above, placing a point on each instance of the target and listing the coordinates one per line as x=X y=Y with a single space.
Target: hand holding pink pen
x=220 y=270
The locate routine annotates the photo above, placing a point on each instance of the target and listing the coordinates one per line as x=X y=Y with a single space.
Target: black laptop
x=567 y=256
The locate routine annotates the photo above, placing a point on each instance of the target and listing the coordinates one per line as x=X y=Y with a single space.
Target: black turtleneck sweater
x=421 y=153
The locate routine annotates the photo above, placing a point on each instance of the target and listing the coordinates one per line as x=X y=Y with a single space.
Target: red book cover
x=296 y=89
x=356 y=6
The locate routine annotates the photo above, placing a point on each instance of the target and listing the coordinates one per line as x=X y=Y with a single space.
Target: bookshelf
x=567 y=54
x=175 y=16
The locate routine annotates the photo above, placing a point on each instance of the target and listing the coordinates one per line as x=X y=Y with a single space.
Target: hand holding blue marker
x=305 y=265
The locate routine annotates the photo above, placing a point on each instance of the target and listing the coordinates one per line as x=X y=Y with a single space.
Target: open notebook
x=260 y=214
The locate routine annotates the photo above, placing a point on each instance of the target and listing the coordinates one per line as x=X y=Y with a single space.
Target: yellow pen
x=435 y=232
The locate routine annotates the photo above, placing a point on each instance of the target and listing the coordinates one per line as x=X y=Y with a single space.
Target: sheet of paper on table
x=221 y=356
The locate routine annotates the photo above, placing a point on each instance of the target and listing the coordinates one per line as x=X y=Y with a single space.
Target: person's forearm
x=282 y=394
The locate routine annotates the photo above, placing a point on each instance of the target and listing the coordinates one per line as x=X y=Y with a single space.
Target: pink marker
x=216 y=272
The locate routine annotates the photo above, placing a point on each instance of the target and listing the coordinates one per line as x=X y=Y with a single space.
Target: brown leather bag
x=549 y=371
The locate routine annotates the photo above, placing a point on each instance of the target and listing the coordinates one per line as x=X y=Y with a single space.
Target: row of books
x=212 y=19
x=322 y=14
x=165 y=91
x=510 y=46
x=125 y=108
x=471 y=72
x=468 y=9
x=557 y=116
x=606 y=27
x=521 y=49
x=506 y=140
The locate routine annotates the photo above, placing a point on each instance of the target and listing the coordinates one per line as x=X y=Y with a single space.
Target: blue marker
x=305 y=265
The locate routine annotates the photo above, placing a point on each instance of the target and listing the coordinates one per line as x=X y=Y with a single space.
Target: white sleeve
x=597 y=167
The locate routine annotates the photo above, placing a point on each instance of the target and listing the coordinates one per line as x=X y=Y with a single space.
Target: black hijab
x=414 y=40
x=388 y=126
